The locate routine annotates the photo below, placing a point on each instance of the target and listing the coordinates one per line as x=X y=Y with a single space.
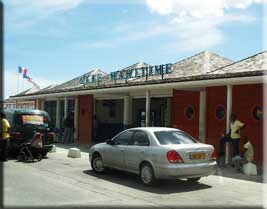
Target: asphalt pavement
x=60 y=181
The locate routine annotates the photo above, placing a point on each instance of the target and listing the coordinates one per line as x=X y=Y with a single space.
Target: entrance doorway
x=160 y=112
x=108 y=119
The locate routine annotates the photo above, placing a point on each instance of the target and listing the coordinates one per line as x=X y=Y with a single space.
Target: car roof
x=14 y=110
x=153 y=129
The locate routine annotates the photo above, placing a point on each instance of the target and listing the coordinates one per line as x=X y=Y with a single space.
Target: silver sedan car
x=155 y=153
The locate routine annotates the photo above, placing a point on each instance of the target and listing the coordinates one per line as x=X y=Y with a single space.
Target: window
x=140 y=138
x=220 y=112
x=50 y=107
x=257 y=113
x=32 y=120
x=189 y=112
x=174 y=137
x=124 y=138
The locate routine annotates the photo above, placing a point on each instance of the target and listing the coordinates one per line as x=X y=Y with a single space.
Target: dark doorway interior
x=159 y=112
x=108 y=119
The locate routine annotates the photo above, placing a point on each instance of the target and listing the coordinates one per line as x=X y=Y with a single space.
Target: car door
x=115 y=154
x=137 y=150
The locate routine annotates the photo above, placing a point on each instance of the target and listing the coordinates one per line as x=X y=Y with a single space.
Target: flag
x=20 y=69
x=25 y=75
x=25 y=71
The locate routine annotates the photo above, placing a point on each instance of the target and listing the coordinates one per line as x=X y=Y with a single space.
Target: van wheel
x=193 y=180
x=44 y=153
x=97 y=164
x=147 y=175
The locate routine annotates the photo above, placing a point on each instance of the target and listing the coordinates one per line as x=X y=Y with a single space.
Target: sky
x=58 y=40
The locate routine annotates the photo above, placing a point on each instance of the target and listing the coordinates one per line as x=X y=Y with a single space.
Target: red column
x=85 y=119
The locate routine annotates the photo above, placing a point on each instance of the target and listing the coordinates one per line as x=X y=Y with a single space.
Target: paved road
x=62 y=181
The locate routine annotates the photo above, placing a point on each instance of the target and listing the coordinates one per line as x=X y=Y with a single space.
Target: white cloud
x=197 y=8
x=14 y=84
x=191 y=24
x=198 y=22
x=129 y=33
x=26 y=13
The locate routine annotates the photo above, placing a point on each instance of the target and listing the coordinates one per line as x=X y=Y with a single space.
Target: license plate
x=197 y=156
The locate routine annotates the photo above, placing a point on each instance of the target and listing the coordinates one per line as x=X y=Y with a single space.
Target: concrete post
x=147 y=108
x=76 y=113
x=42 y=104
x=127 y=112
x=65 y=107
x=58 y=119
x=37 y=103
x=202 y=116
x=168 y=113
x=228 y=117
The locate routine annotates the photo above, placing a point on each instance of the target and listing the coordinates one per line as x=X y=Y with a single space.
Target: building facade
x=197 y=94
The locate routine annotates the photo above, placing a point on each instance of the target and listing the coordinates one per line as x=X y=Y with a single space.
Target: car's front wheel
x=97 y=164
x=147 y=175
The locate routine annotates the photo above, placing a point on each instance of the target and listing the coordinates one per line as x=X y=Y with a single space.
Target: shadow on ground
x=163 y=186
x=231 y=172
x=18 y=160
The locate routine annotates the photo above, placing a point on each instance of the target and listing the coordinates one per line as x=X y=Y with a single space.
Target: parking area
x=63 y=181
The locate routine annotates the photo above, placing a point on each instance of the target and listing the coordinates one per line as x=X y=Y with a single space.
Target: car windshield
x=174 y=137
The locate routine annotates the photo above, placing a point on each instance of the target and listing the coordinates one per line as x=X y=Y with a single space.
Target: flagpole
x=18 y=84
x=23 y=84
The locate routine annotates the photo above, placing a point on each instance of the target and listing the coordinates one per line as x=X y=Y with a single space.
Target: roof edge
x=262 y=52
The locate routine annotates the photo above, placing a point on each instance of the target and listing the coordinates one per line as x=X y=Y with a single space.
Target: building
x=196 y=94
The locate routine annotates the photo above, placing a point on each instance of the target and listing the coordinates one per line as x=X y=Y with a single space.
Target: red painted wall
x=245 y=98
x=181 y=101
x=85 y=119
x=215 y=127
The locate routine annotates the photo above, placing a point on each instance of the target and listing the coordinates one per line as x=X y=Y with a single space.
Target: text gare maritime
x=130 y=73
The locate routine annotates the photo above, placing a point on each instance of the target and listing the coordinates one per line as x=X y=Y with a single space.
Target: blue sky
x=58 y=40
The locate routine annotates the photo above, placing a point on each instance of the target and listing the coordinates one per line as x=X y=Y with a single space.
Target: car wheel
x=193 y=180
x=97 y=164
x=147 y=175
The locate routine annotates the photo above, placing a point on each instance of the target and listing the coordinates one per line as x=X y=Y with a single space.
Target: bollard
x=53 y=148
x=74 y=153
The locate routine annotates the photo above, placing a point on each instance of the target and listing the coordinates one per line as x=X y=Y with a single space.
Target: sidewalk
x=230 y=172
x=226 y=171
x=83 y=147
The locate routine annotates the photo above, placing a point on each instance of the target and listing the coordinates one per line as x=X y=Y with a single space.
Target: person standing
x=5 y=137
x=235 y=127
x=233 y=136
x=68 y=128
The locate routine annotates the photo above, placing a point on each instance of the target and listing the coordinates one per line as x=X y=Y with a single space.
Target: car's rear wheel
x=147 y=175
x=193 y=180
x=97 y=164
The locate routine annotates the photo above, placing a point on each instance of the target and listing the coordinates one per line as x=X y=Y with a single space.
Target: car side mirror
x=109 y=141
